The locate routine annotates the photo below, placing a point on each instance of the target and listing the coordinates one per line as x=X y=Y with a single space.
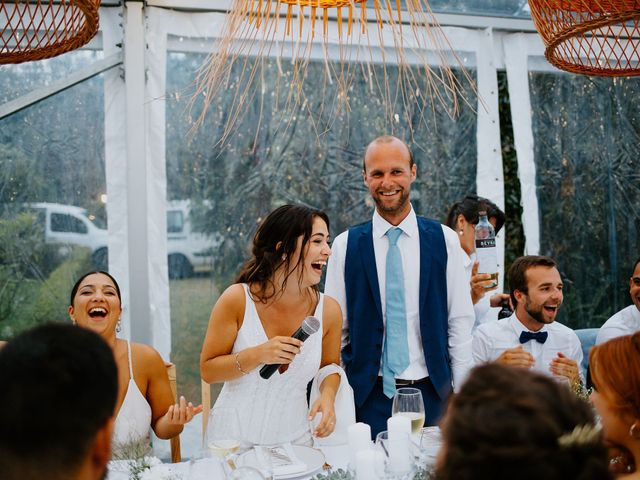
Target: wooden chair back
x=206 y=407
x=176 y=456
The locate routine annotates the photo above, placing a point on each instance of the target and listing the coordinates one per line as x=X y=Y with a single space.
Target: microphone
x=310 y=325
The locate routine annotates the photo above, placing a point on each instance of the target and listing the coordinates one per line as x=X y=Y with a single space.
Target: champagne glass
x=223 y=436
x=408 y=402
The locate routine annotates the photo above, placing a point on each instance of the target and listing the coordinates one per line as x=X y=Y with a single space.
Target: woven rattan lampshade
x=593 y=37
x=42 y=29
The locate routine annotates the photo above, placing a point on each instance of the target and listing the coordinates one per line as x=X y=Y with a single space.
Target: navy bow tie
x=539 y=337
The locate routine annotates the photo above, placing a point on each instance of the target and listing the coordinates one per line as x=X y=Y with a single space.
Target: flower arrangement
x=421 y=473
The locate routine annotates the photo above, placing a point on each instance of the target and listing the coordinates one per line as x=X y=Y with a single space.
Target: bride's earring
x=118 y=326
x=634 y=431
x=73 y=320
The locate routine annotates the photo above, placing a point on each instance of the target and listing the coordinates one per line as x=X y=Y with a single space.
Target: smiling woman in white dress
x=253 y=320
x=144 y=393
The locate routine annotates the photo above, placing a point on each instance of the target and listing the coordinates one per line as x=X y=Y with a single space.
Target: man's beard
x=392 y=208
x=537 y=315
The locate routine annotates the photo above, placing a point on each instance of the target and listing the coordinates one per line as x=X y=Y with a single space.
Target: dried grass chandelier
x=593 y=37
x=359 y=33
x=38 y=29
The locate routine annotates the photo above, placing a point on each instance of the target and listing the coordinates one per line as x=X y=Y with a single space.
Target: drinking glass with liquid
x=408 y=403
x=223 y=436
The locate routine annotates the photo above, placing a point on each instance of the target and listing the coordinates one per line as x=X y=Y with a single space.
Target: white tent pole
x=516 y=48
x=489 y=176
x=134 y=61
x=115 y=158
x=157 y=20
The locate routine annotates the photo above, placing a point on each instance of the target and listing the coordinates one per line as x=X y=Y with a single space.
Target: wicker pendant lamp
x=403 y=34
x=593 y=37
x=34 y=30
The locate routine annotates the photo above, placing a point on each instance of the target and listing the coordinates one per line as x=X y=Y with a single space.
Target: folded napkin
x=281 y=458
x=344 y=406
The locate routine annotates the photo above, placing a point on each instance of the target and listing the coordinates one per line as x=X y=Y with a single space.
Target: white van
x=188 y=251
x=70 y=225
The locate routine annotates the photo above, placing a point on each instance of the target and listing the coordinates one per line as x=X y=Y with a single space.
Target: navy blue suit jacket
x=361 y=356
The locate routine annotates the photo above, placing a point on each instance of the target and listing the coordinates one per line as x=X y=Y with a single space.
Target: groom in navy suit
x=404 y=294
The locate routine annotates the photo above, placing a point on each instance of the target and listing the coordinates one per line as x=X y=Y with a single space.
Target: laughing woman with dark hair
x=253 y=320
x=144 y=393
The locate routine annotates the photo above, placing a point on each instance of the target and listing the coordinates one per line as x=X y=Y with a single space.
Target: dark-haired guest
x=627 y=320
x=252 y=322
x=144 y=395
x=59 y=387
x=463 y=217
x=507 y=424
x=615 y=372
x=531 y=338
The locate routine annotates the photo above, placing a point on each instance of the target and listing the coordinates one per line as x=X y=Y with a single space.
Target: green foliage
x=34 y=279
x=514 y=234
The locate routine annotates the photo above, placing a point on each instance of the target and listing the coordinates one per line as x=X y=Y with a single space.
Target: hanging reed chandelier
x=349 y=36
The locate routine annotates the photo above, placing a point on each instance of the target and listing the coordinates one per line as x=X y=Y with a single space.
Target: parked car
x=188 y=251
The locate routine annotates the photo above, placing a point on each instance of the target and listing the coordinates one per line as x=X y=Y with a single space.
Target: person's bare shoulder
x=145 y=358
x=332 y=313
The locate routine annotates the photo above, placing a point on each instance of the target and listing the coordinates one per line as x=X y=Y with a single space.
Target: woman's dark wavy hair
x=469 y=207
x=274 y=245
x=74 y=290
x=506 y=422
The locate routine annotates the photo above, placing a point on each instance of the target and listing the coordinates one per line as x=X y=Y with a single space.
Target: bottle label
x=485 y=243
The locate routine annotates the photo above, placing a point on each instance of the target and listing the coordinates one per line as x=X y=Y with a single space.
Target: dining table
x=213 y=468
x=317 y=459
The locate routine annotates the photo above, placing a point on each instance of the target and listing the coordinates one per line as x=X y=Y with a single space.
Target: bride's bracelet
x=238 y=365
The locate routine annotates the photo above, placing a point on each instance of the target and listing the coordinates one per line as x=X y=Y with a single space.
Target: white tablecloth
x=206 y=468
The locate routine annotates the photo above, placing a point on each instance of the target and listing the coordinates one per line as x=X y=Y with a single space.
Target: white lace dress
x=275 y=410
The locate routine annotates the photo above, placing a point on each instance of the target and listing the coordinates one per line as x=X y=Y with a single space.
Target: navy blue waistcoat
x=361 y=356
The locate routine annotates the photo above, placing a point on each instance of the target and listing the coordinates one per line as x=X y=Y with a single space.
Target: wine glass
x=223 y=436
x=408 y=402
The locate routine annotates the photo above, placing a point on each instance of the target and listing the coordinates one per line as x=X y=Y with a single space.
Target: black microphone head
x=310 y=325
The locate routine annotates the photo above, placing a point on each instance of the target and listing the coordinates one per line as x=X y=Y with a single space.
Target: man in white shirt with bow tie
x=531 y=338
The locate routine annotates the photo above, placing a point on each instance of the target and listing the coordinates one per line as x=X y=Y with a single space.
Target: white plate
x=313 y=458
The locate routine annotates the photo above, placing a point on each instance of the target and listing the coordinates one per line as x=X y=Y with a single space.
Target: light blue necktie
x=395 y=358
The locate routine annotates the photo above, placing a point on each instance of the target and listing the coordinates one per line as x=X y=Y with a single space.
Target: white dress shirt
x=493 y=338
x=459 y=303
x=624 y=322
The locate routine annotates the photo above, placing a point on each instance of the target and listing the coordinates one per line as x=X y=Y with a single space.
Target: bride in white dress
x=253 y=320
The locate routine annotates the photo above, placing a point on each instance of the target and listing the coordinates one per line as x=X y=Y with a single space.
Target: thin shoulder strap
x=130 y=364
